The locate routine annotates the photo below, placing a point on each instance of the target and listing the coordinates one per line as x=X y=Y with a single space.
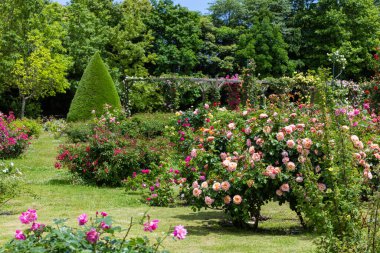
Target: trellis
x=204 y=84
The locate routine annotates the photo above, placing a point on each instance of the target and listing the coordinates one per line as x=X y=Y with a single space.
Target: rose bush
x=238 y=161
x=13 y=141
x=91 y=235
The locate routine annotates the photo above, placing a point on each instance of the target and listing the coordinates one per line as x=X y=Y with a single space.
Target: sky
x=194 y=5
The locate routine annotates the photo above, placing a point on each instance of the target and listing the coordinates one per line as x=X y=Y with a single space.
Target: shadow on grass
x=215 y=222
x=60 y=182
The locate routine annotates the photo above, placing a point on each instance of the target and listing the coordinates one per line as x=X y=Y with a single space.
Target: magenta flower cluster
x=29 y=217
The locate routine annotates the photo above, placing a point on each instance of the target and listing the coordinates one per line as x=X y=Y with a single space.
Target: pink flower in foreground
x=92 y=236
x=19 y=235
x=180 y=232
x=82 y=219
x=104 y=214
x=28 y=216
x=37 y=227
x=151 y=226
x=104 y=225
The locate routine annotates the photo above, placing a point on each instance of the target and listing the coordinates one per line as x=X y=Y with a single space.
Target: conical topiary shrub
x=95 y=89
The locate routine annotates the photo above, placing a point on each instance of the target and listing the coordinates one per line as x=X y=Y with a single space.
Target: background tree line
x=44 y=46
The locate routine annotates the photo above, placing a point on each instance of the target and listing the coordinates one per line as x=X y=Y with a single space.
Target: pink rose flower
x=256 y=157
x=280 y=136
x=231 y=126
x=197 y=192
x=193 y=153
x=321 y=187
x=29 y=216
x=208 y=201
x=104 y=226
x=92 y=236
x=225 y=185
x=237 y=199
x=232 y=166
x=82 y=219
x=151 y=226
x=37 y=227
x=285 y=187
x=290 y=143
x=19 y=235
x=216 y=186
x=227 y=200
x=290 y=166
x=180 y=232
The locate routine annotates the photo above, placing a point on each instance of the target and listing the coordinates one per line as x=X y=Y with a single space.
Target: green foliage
x=56 y=127
x=145 y=125
x=349 y=26
x=146 y=97
x=79 y=131
x=34 y=59
x=131 y=39
x=96 y=89
x=29 y=126
x=177 y=37
x=10 y=179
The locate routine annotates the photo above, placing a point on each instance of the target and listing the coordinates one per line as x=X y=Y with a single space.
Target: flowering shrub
x=13 y=142
x=10 y=178
x=109 y=157
x=55 y=127
x=157 y=185
x=29 y=126
x=238 y=161
x=91 y=235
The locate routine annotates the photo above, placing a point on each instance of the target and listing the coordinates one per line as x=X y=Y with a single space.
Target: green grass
x=54 y=195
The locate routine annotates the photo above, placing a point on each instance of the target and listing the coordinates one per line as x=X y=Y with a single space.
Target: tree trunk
x=23 y=106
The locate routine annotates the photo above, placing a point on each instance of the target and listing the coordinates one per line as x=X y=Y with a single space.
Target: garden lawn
x=55 y=194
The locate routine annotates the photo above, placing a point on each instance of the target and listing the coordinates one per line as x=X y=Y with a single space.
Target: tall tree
x=177 y=37
x=131 y=39
x=88 y=32
x=350 y=26
x=265 y=45
x=227 y=12
x=33 y=58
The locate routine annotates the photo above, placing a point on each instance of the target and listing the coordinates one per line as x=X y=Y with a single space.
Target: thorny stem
x=125 y=237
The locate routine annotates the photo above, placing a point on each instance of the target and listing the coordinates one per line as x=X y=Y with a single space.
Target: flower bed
x=91 y=235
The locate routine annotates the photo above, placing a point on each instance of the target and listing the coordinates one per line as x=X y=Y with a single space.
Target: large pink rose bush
x=239 y=160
